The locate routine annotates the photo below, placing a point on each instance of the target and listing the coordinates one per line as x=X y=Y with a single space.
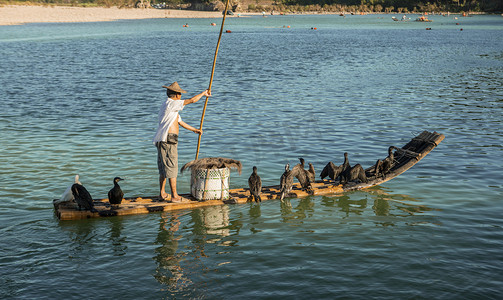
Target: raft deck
x=405 y=158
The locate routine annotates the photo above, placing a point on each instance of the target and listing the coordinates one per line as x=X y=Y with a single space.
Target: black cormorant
x=388 y=161
x=115 y=194
x=302 y=176
x=82 y=197
x=328 y=171
x=384 y=166
x=286 y=182
x=311 y=174
x=345 y=164
x=331 y=170
x=255 y=184
x=354 y=173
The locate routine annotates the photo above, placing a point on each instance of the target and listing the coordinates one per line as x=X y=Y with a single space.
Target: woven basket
x=210 y=184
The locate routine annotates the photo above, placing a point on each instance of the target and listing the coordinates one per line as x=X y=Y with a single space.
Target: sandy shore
x=21 y=14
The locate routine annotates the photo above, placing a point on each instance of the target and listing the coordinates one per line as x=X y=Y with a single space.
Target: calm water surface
x=83 y=98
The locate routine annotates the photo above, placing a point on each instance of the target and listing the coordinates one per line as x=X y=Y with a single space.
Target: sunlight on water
x=83 y=99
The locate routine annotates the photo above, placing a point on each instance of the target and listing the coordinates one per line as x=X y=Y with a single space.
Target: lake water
x=83 y=99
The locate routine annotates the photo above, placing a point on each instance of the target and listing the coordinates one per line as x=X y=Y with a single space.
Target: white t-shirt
x=168 y=114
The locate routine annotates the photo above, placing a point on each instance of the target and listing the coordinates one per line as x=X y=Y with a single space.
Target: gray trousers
x=167 y=158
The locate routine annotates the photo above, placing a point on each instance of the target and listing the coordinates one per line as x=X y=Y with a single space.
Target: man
x=166 y=137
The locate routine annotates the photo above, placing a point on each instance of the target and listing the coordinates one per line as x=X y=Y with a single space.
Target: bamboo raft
x=405 y=158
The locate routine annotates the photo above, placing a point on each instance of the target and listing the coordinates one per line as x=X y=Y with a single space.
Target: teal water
x=83 y=99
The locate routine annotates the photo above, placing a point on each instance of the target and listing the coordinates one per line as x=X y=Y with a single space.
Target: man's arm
x=187 y=126
x=197 y=97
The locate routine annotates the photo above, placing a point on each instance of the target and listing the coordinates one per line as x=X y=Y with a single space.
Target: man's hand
x=207 y=93
x=196 y=98
x=199 y=131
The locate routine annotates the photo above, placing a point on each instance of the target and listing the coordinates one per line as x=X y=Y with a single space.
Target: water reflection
x=119 y=242
x=81 y=234
x=384 y=203
x=190 y=242
x=216 y=219
x=255 y=213
x=304 y=209
x=169 y=272
x=212 y=221
x=85 y=235
x=389 y=204
x=184 y=238
x=348 y=205
x=381 y=206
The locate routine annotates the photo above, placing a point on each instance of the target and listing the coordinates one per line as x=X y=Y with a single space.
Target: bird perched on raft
x=384 y=166
x=331 y=170
x=286 y=182
x=311 y=174
x=353 y=173
x=213 y=163
x=328 y=171
x=345 y=165
x=302 y=176
x=344 y=172
x=82 y=197
x=255 y=184
x=349 y=173
x=116 y=194
x=67 y=195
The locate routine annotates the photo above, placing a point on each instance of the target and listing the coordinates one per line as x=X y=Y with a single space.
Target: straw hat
x=174 y=87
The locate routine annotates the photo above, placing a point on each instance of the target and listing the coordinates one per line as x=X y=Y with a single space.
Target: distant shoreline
x=23 y=14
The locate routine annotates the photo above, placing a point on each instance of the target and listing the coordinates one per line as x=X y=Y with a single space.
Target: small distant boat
x=423 y=19
x=403 y=19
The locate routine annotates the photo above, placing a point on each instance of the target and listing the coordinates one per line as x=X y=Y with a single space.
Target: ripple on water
x=83 y=99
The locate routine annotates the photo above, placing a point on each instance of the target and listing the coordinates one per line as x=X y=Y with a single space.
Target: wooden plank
x=139 y=205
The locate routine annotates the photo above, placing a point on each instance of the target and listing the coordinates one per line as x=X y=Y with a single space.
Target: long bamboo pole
x=211 y=78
